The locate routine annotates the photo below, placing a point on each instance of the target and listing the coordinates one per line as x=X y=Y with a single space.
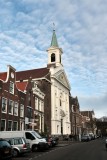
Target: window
x=18 y=141
x=29 y=112
x=14 y=126
x=29 y=136
x=16 y=109
x=11 y=88
x=36 y=103
x=60 y=58
x=42 y=106
x=4 y=105
x=9 y=125
x=60 y=103
x=3 y=124
x=53 y=57
x=39 y=105
x=11 y=105
x=21 y=110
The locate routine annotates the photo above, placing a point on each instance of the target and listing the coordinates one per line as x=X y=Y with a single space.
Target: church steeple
x=54 y=52
x=54 y=42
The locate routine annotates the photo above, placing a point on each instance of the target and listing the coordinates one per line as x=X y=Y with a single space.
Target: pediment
x=62 y=78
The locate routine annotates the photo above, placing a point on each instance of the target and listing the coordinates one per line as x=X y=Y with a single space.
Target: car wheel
x=15 y=153
x=34 y=148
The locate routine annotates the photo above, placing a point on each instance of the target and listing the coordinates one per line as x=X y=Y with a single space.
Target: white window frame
x=36 y=103
x=12 y=106
x=11 y=87
x=39 y=105
x=21 y=110
x=42 y=106
x=15 y=109
x=4 y=104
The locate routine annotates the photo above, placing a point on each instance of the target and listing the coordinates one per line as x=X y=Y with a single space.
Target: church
x=54 y=83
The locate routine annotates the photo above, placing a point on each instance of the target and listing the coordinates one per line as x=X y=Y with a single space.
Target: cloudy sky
x=81 y=29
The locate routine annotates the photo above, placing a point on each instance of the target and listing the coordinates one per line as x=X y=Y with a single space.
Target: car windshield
x=36 y=134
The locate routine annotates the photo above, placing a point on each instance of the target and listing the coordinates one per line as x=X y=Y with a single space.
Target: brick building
x=76 y=117
x=17 y=103
x=89 y=122
x=12 y=102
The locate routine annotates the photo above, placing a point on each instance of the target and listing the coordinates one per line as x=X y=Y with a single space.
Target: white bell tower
x=54 y=53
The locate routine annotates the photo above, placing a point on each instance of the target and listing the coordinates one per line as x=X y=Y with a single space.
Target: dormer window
x=11 y=87
x=53 y=57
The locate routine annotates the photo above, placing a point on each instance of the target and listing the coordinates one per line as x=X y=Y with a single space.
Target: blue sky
x=81 y=29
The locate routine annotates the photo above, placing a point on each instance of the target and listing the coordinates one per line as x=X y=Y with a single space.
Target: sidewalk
x=65 y=143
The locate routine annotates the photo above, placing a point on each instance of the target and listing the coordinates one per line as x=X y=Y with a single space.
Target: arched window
x=53 y=57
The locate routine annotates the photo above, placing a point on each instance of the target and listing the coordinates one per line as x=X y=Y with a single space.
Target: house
x=11 y=102
x=17 y=103
x=89 y=122
x=76 y=117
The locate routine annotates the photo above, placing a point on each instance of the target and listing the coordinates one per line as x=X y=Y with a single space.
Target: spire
x=54 y=42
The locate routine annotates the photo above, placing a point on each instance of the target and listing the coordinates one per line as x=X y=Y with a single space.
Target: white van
x=35 y=140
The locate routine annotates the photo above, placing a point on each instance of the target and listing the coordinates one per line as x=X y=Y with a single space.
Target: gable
x=62 y=78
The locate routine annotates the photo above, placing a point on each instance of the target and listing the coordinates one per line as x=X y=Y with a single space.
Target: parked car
x=5 y=150
x=33 y=137
x=85 y=138
x=19 y=145
x=55 y=140
x=92 y=136
x=52 y=141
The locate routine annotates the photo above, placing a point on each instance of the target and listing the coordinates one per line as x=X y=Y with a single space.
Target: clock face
x=12 y=75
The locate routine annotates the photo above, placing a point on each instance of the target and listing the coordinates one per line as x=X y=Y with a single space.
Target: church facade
x=60 y=89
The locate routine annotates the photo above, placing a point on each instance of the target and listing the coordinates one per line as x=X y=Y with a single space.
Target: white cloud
x=25 y=34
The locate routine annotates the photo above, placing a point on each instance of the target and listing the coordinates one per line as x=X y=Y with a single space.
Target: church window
x=52 y=57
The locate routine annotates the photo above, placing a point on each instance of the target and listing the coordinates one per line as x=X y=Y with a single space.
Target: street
x=93 y=150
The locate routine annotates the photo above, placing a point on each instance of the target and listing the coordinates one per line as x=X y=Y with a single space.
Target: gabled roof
x=87 y=113
x=60 y=76
x=34 y=73
x=21 y=85
x=3 y=76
